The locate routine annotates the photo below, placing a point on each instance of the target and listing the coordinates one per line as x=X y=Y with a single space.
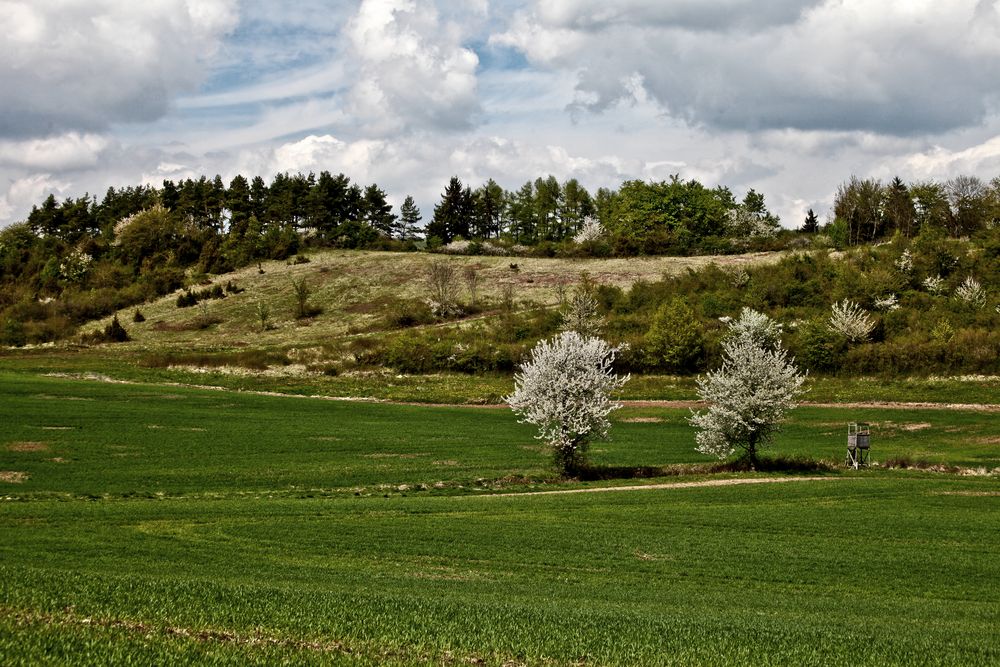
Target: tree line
x=96 y=255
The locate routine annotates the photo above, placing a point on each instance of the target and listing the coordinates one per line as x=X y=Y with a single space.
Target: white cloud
x=29 y=191
x=940 y=162
x=414 y=70
x=86 y=64
x=69 y=151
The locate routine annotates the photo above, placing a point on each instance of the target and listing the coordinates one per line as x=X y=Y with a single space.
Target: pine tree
x=409 y=219
x=452 y=215
x=811 y=224
x=377 y=212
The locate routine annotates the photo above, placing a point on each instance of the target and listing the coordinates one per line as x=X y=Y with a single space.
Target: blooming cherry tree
x=750 y=394
x=564 y=388
x=851 y=321
x=756 y=327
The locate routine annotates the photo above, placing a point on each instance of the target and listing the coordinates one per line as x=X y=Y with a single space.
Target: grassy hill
x=357 y=289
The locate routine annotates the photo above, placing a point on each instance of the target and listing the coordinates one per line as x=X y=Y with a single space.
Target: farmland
x=168 y=524
x=218 y=491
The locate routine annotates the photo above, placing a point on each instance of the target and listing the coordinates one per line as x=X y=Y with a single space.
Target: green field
x=152 y=524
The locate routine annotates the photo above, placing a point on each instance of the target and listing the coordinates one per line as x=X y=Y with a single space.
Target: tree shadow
x=776 y=464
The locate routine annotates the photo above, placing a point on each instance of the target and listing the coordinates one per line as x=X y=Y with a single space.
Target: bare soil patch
x=641 y=420
x=915 y=427
x=969 y=493
x=27 y=447
x=13 y=476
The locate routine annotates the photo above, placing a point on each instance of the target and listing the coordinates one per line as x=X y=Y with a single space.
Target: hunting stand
x=858 y=445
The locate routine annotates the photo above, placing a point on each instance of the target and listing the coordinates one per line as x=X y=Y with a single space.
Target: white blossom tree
x=971 y=292
x=564 y=388
x=590 y=230
x=756 y=327
x=749 y=395
x=851 y=321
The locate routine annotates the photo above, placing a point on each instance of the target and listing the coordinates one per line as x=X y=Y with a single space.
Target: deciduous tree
x=564 y=388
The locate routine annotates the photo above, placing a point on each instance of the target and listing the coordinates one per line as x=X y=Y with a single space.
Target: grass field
x=161 y=524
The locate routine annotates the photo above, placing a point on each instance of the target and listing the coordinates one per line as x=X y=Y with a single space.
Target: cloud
x=26 y=192
x=414 y=70
x=897 y=67
x=84 y=65
x=69 y=151
x=940 y=162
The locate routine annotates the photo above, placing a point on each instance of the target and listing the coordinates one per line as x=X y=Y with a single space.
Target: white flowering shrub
x=971 y=292
x=934 y=284
x=742 y=223
x=905 y=262
x=494 y=249
x=591 y=230
x=757 y=328
x=75 y=265
x=887 y=303
x=457 y=247
x=564 y=388
x=749 y=395
x=851 y=321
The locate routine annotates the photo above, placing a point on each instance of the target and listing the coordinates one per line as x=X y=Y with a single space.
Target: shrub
x=675 y=341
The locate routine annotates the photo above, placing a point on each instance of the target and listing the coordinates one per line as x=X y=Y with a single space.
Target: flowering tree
x=749 y=395
x=590 y=230
x=565 y=389
x=756 y=327
x=971 y=292
x=851 y=321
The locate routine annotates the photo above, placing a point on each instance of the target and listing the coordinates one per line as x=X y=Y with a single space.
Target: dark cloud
x=890 y=68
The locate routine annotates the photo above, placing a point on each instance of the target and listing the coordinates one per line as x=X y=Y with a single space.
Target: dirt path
x=670 y=485
x=852 y=405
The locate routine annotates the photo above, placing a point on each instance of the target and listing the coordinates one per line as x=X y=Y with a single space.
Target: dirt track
x=670 y=485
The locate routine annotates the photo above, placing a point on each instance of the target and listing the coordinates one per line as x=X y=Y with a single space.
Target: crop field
x=159 y=524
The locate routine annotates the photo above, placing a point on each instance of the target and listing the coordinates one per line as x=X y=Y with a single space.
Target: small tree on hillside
x=851 y=321
x=581 y=314
x=674 y=340
x=750 y=394
x=565 y=389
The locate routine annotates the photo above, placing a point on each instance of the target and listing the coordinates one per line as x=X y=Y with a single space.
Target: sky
x=789 y=97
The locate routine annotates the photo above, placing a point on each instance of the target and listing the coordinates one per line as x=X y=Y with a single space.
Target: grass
x=94 y=438
x=240 y=369
x=178 y=526
x=354 y=290
x=802 y=573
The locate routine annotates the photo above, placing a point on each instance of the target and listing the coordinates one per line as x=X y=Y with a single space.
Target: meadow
x=155 y=523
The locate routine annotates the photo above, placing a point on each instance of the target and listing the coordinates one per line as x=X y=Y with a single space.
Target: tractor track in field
x=669 y=485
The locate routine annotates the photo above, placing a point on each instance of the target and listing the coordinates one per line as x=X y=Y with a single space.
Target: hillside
x=357 y=289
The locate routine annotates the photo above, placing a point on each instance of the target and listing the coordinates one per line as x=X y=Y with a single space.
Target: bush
x=13 y=333
x=675 y=342
x=114 y=332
